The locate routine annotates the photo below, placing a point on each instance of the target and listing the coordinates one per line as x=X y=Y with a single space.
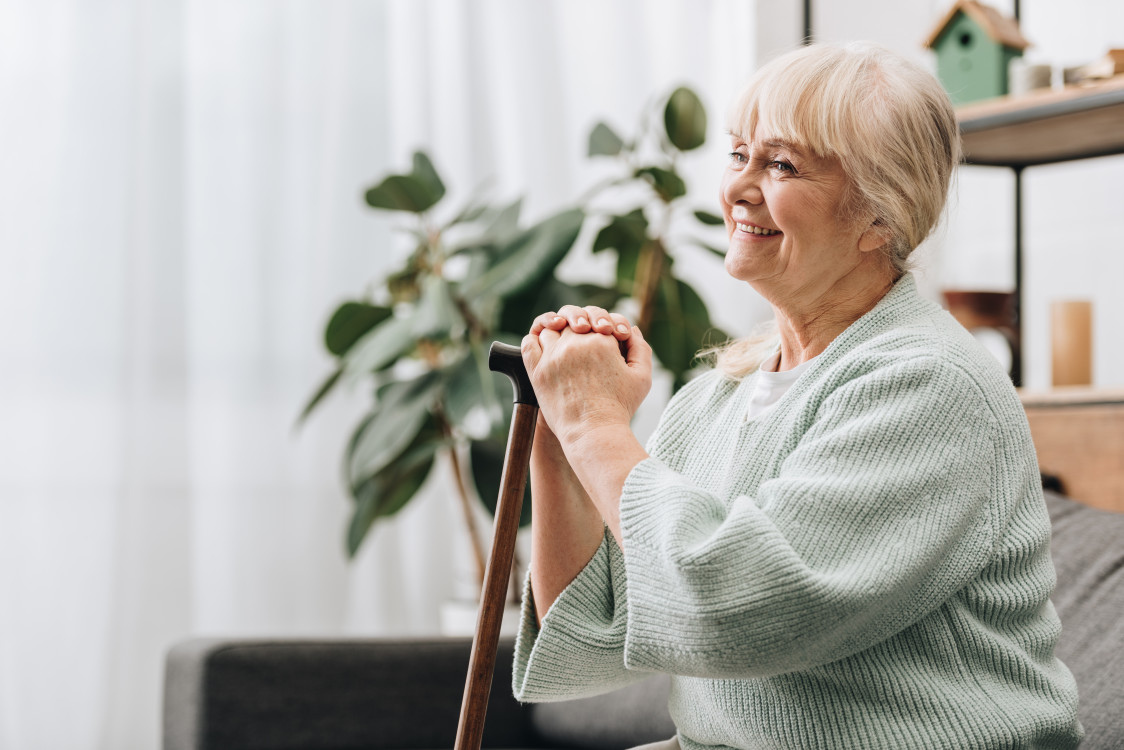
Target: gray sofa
x=344 y=694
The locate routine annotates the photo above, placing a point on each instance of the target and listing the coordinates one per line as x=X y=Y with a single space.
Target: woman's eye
x=738 y=157
x=782 y=166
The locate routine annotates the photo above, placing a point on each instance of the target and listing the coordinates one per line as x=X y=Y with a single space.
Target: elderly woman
x=837 y=538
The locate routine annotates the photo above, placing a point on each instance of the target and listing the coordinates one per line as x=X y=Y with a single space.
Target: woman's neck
x=809 y=321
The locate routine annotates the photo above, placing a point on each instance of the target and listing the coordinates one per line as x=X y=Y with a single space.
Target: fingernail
x=558 y=319
x=604 y=322
x=622 y=328
x=583 y=322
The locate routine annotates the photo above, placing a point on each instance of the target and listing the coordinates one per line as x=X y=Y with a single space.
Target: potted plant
x=419 y=336
x=419 y=339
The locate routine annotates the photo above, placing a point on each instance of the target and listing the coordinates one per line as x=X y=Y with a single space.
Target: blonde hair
x=887 y=121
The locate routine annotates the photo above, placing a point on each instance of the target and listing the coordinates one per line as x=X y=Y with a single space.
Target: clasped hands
x=582 y=382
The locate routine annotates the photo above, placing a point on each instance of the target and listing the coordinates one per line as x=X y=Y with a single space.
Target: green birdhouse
x=974 y=45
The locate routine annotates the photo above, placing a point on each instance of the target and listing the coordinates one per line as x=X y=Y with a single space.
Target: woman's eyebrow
x=770 y=143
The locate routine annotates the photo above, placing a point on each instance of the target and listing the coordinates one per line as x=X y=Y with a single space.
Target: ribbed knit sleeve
x=883 y=509
x=579 y=651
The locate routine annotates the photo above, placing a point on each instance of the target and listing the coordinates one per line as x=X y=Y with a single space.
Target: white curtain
x=180 y=210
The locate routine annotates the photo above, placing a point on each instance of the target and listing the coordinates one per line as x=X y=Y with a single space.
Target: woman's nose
x=744 y=186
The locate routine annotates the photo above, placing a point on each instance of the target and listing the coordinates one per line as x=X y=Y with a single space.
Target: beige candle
x=1071 y=342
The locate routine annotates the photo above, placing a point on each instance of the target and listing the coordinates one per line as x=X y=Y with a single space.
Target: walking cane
x=478 y=686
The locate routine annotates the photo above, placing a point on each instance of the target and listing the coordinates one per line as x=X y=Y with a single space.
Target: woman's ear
x=874 y=238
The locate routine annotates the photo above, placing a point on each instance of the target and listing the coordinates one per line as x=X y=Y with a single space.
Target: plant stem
x=650 y=269
x=515 y=589
x=469 y=516
x=462 y=493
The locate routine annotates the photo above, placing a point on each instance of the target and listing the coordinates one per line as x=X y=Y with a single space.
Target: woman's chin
x=744 y=269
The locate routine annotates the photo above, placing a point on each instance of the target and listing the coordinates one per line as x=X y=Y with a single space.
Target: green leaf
x=486 y=458
x=321 y=392
x=380 y=347
x=463 y=388
x=350 y=322
x=427 y=176
x=680 y=326
x=709 y=218
x=684 y=118
x=667 y=334
x=436 y=313
x=379 y=499
x=468 y=214
x=400 y=193
x=603 y=141
x=388 y=491
x=529 y=258
x=470 y=385
x=623 y=232
x=627 y=235
x=399 y=413
x=485 y=249
x=667 y=183
x=414 y=192
x=504 y=224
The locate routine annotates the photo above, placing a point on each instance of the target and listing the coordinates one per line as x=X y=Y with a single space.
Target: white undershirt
x=772 y=385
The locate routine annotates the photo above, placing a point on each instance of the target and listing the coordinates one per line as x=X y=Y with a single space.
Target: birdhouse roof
x=1000 y=28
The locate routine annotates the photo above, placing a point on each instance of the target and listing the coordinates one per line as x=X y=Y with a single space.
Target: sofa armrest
x=338 y=694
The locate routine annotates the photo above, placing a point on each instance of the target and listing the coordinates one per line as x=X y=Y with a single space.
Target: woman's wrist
x=602 y=457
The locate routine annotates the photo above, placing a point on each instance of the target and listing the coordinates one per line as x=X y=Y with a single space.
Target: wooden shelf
x=1045 y=127
x=1071 y=395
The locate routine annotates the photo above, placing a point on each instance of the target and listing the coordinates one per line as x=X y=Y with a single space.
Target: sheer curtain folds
x=180 y=210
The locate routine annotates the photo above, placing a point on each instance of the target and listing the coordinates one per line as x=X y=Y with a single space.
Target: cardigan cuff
x=656 y=497
x=579 y=650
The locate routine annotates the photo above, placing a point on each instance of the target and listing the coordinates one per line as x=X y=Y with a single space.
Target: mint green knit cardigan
x=865 y=566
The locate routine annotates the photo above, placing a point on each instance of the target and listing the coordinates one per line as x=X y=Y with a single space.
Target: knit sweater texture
x=866 y=565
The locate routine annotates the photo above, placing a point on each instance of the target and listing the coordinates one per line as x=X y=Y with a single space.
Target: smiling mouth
x=757 y=230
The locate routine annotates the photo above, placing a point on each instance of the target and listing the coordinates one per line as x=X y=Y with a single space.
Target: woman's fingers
x=639 y=353
x=583 y=320
x=622 y=329
x=547 y=321
x=593 y=318
x=578 y=318
x=531 y=349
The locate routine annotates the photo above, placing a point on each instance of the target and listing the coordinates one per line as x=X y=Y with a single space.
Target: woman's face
x=789 y=228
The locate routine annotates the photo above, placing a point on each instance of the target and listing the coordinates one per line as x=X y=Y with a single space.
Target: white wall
x=1073 y=230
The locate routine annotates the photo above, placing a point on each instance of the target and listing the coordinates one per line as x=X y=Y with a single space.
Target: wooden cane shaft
x=482 y=661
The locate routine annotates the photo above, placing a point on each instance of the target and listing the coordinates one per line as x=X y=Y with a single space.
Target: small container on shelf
x=1071 y=342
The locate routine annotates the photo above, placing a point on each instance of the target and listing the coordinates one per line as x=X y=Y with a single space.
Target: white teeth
x=756 y=230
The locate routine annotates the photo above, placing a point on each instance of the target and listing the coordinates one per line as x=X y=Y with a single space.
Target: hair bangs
x=799 y=100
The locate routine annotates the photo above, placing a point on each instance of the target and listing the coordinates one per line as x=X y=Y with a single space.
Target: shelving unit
x=1044 y=127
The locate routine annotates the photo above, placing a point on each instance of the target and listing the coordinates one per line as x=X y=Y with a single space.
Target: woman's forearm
x=601 y=459
x=566 y=528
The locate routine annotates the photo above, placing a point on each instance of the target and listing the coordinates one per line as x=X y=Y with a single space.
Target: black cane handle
x=507 y=359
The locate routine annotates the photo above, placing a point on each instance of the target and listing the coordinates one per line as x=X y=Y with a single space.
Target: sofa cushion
x=337 y=694
x=1088 y=550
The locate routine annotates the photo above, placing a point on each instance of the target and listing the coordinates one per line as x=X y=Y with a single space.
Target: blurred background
x=182 y=210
